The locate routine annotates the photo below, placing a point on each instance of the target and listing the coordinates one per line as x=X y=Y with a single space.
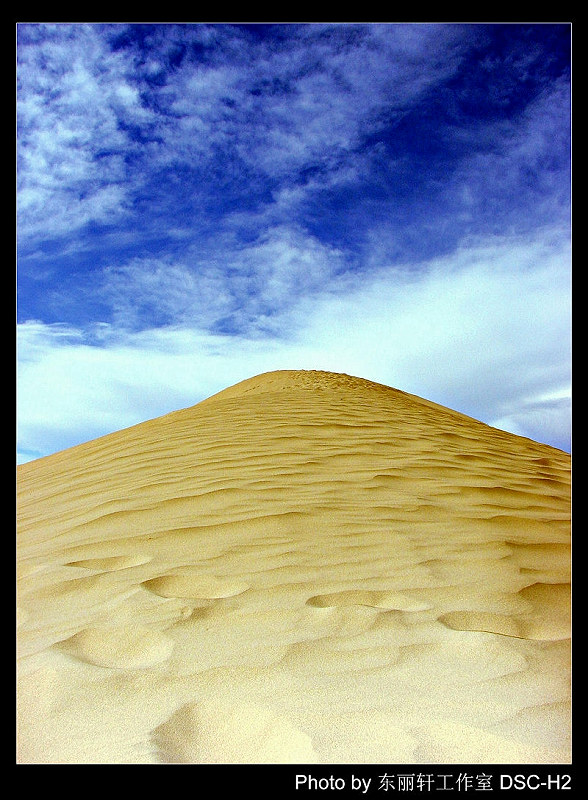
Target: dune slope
x=305 y=568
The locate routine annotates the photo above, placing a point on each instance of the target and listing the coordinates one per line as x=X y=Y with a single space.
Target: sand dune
x=305 y=568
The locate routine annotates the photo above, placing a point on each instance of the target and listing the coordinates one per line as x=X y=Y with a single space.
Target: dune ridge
x=306 y=567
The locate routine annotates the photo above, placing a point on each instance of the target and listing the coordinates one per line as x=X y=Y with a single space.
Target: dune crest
x=306 y=567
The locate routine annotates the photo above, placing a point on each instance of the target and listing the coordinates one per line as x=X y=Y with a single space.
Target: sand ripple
x=121 y=647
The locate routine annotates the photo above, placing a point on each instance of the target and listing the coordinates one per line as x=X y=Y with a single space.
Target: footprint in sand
x=547 y=620
x=119 y=647
x=226 y=732
x=482 y=622
x=386 y=600
x=195 y=585
x=110 y=564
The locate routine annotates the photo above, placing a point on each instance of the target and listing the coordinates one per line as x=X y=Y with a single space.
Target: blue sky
x=199 y=203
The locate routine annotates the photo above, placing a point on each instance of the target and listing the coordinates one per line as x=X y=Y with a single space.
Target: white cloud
x=485 y=332
x=528 y=159
x=244 y=285
x=73 y=91
x=281 y=266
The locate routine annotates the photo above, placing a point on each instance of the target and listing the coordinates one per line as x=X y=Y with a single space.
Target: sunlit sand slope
x=306 y=567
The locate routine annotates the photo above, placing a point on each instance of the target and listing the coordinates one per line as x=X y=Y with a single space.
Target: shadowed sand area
x=305 y=568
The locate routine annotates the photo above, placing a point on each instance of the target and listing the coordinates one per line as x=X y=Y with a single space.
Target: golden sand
x=305 y=568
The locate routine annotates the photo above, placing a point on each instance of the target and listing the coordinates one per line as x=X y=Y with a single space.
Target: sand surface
x=304 y=568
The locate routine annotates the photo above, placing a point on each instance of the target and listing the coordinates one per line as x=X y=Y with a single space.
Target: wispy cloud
x=100 y=122
x=252 y=285
x=73 y=92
